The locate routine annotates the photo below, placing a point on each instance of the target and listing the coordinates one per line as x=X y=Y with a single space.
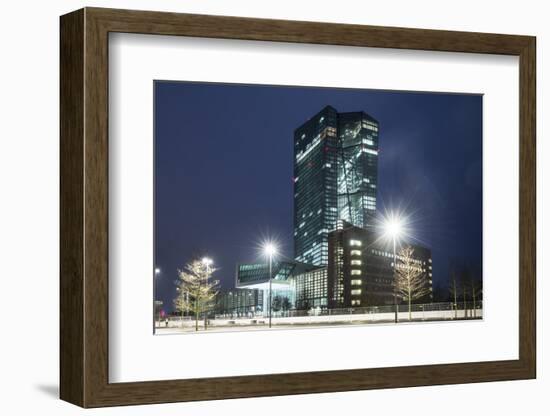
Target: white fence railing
x=373 y=314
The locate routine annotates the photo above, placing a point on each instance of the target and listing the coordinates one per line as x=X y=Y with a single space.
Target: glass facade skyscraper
x=315 y=186
x=335 y=178
x=357 y=168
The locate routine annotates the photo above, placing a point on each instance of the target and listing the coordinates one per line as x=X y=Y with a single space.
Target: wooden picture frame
x=84 y=207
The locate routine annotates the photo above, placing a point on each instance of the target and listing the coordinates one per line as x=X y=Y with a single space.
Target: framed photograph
x=293 y=207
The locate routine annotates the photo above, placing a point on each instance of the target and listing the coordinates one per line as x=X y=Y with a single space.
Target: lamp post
x=270 y=250
x=207 y=261
x=394 y=229
x=395 y=281
x=157 y=274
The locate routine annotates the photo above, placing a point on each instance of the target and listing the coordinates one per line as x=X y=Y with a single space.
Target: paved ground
x=279 y=326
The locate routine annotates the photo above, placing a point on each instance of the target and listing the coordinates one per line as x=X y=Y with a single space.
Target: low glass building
x=236 y=303
x=256 y=276
x=310 y=288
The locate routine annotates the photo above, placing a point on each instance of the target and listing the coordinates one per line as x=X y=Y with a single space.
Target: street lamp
x=157 y=273
x=270 y=250
x=393 y=226
x=207 y=262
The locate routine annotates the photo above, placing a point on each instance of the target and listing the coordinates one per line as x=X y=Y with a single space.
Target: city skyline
x=177 y=124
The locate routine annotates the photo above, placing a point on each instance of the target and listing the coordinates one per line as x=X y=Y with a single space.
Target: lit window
x=356 y=262
x=355 y=253
x=356 y=272
x=355 y=243
x=356 y=282
x=355 y=302
x=356 y=292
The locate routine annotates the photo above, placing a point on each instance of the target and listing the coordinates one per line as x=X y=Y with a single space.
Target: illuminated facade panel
x=238 y=302
x=310 y=289
x=357 y=168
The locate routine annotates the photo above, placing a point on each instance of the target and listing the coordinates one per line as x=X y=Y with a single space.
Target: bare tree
x=281 y=303
x=464 y=280
x=476 y=292
x=454 y=290
x=469 y=289
x=411 y=279
x=286 y=304
x=277 y=303
x=199 y=289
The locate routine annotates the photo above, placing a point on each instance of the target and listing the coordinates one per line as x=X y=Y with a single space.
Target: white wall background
x=29 y=159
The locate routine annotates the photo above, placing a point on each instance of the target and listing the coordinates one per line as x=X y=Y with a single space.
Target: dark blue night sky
x=224 y=166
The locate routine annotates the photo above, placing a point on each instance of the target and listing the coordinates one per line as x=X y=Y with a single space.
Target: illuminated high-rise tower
x=357 y=168
x=335 y=178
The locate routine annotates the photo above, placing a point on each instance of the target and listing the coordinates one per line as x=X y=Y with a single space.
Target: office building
x=360 y=272
x=340 y=259
x=335 y=178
